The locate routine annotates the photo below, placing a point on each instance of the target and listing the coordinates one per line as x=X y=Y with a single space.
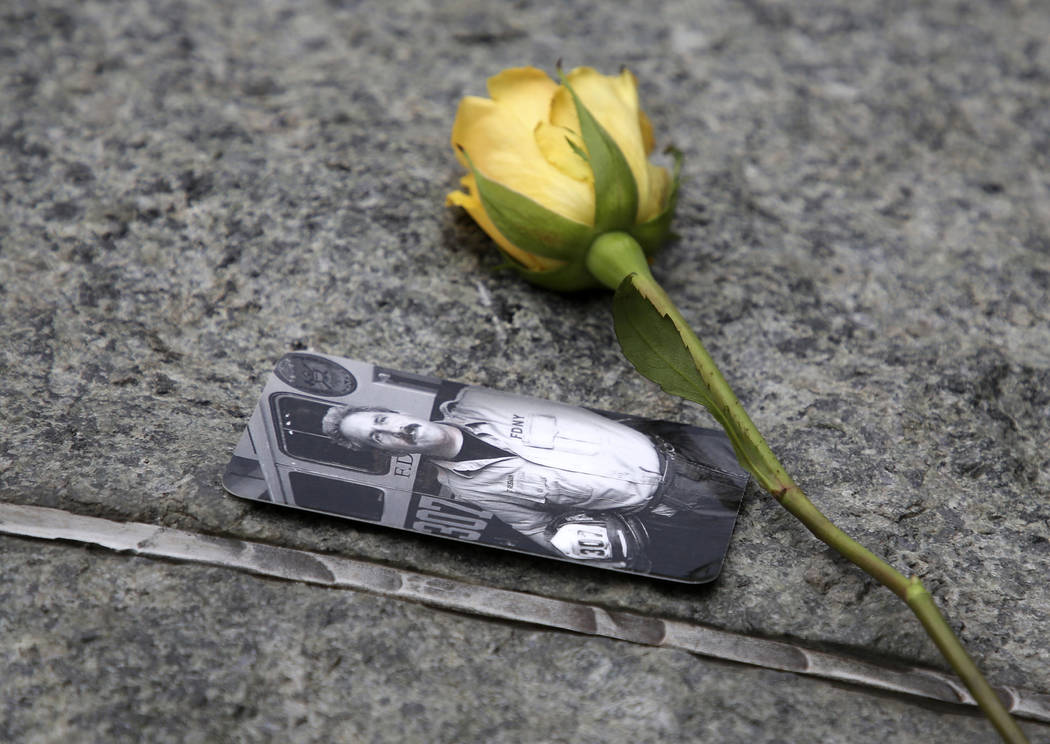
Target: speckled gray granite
x=190 y=189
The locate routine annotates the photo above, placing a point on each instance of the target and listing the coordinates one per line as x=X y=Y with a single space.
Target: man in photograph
x=560 y=475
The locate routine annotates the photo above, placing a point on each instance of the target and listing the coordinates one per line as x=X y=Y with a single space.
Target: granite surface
x=188 y=190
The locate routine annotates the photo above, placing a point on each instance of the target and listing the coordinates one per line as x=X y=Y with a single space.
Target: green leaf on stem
x=651 y=342
x=664 y=349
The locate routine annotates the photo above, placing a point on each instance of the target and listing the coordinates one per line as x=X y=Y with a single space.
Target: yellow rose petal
x=554 y=143
x=525 y=92
x=506 y=151
x=652 y=202
x=647 y=132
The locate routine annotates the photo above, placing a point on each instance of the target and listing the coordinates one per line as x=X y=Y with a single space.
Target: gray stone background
x=190 y=189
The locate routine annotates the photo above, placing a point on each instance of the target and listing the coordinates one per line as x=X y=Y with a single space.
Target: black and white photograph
x=470 y=463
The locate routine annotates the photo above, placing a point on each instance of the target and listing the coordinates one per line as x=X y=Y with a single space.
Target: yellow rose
x=553 y=167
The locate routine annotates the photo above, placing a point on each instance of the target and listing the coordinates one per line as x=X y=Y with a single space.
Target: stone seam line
x=458 y=596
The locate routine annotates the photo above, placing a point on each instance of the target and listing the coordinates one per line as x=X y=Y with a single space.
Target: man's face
x=395 y=432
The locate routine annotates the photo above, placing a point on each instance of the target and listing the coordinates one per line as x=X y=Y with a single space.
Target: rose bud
x=554 y=167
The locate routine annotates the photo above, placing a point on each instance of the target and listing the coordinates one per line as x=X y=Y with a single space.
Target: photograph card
x=368 y=443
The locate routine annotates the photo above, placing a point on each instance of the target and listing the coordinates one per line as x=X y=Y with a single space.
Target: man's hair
x=334 y=417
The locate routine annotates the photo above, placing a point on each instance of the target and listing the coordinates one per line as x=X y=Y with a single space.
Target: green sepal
x=655 y=344
x=657 y=231
x=569 y=277
x=578 y=150
x=530 y=226
x=615 y=190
